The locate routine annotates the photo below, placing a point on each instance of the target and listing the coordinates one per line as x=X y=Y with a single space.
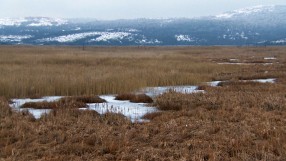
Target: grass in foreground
x=234 y=122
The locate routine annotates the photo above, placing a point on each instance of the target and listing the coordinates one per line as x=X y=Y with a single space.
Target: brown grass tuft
x=66 y=102
x=172 y=101
x=136 y=98
x=84 y=99
x=41 y=105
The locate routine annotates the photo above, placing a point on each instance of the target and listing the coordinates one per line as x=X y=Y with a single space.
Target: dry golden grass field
x=235 y=121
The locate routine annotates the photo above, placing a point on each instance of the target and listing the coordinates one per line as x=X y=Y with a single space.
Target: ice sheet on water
x=232 y=63
x=270 y=58
x=233 y=59
x=37 y=113
x=213 y=83
x=134 y=111
x=269 y=80
x=155 y=91
x=17 y=103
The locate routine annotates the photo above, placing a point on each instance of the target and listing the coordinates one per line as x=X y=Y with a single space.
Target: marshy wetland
x=145 y=103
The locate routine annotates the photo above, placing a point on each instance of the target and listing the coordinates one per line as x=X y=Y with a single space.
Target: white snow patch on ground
x=133 y=111
x=14 y=38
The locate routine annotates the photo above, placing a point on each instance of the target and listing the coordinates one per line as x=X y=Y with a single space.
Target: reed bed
x=40 y=71
x=66 y=71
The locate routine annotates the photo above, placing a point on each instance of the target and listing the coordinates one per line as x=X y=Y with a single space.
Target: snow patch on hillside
x=100 y=36
x=106 y=36
x=145 y=41
x=70 y=37
x=12 y=21
x=281 y=41
x=132 y=30
x=43 y=21
x=14 y=38
x=32 y=21
x=186 y=38
x=246 y=11
x=234 y=36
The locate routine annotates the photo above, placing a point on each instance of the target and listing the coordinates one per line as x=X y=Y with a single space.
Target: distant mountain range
x=259 y=25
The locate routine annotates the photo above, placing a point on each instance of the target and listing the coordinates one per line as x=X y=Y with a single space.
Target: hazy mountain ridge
x=259 y=25
x=32 y=21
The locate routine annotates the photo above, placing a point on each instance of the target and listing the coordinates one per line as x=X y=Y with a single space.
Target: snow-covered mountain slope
x=246 y=11
x=101 y=36
x=12 y=21
x=32 y=21
x=257 y=15
x=259 y=25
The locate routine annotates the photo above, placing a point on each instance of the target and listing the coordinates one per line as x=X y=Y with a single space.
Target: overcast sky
x=124 y=9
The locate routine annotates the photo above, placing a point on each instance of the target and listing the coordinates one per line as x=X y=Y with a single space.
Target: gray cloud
x=115 y=9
